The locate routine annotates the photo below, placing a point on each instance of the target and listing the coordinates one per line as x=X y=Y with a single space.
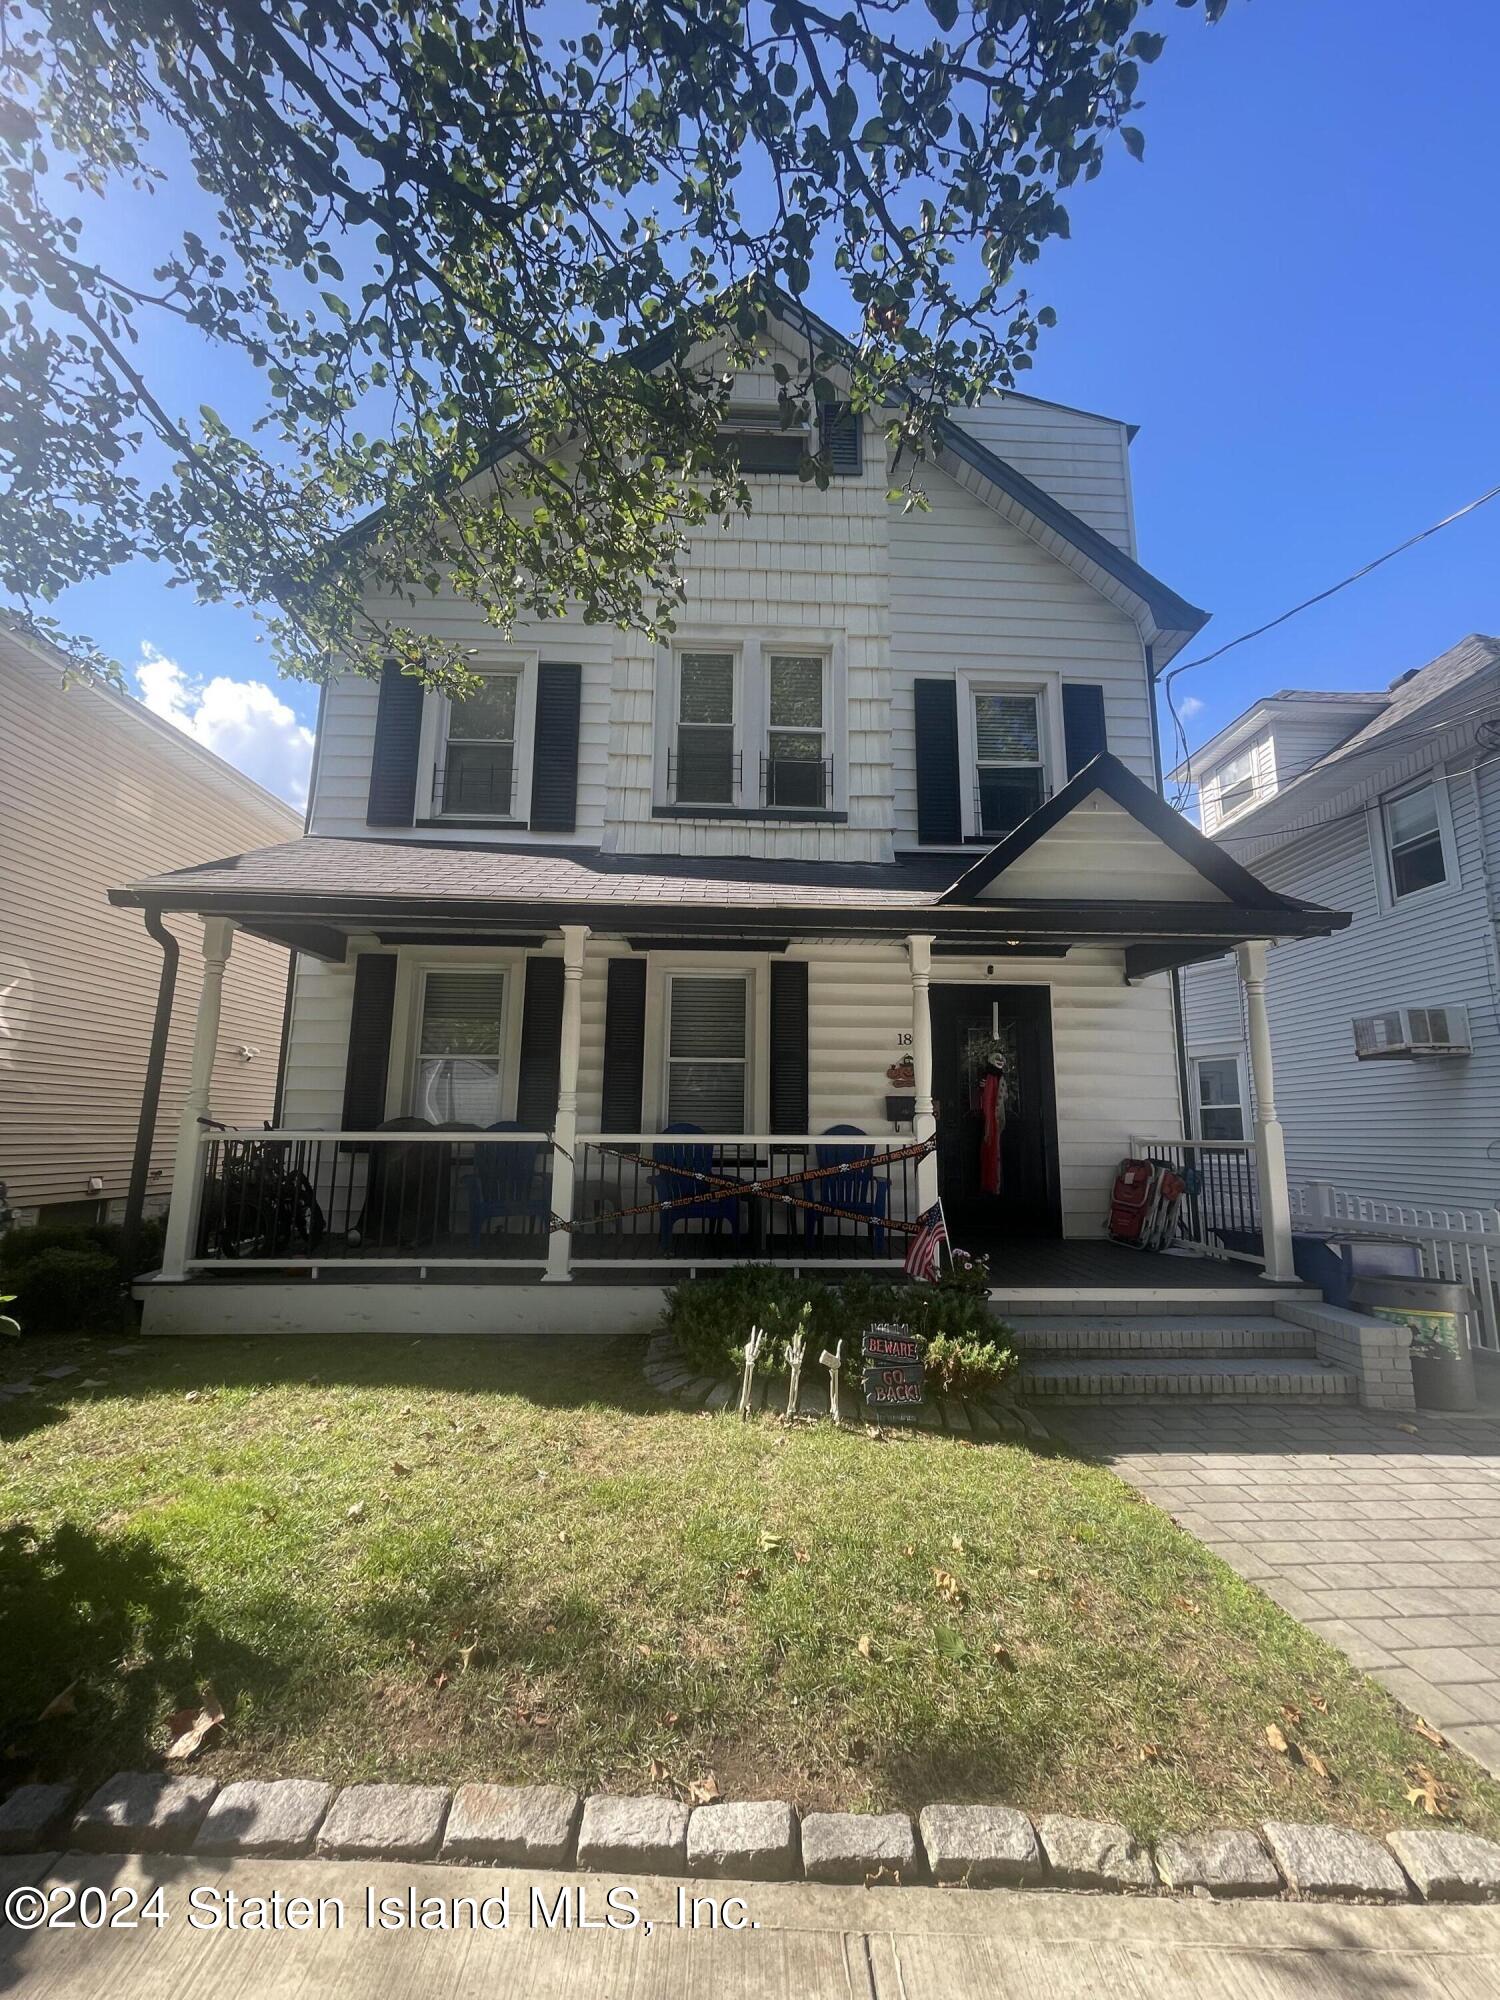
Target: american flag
x=924 y=1258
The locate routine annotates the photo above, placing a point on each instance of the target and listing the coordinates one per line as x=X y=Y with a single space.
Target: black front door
x=969 y=1024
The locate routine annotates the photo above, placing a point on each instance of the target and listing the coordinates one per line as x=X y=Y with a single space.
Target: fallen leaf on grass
x=865 y=1647
x=438 y=1680
x=60 y=1704
x=401 y=1471
x=356 y=1512
x=1428 y=1794
x=465 y=1654
x=1149 y=1753
x=801 y=1555
x=1002 y=1655
x=188 y=1727
x=1293 y=1715
x=1314 y=1763
x=948 y=1586
x=703 y=1791
x=659 y=1772
x=1276 y=1740
x=768 y=1541
x=1435 y=1736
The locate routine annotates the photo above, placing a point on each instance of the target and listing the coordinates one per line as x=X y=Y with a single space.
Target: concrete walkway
x=1380 y=1532
x=811 y=1944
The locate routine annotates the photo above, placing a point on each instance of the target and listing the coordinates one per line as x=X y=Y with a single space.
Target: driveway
x=1380 y=1532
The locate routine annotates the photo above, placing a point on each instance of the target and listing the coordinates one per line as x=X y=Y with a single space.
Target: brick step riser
x=1281 y=1399
x=1104 y=1385
x=1127 y=1305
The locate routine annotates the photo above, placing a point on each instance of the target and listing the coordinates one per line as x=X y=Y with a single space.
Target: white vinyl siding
x=1422 y=1131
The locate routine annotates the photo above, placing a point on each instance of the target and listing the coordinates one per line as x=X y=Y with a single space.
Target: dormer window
x=1236 y=783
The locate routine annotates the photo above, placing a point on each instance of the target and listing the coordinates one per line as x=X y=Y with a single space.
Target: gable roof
x=1246 y=724
x=1171 y=619
x=1224 y=879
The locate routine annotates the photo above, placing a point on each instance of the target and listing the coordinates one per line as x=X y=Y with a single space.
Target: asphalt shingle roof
x=440 y=870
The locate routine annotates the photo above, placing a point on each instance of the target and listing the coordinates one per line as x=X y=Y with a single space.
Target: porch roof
x=316 y=892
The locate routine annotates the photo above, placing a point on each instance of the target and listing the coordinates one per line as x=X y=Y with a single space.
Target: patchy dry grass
x=449 y=1559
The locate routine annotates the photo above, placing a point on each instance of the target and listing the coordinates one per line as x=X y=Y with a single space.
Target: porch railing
x=429 y=1197
x=1461 y=1245
x=305 y=1199
x=1221 y=1215
x=645 y=1197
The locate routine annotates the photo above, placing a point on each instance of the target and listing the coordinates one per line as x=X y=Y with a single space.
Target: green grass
x=455 y=1560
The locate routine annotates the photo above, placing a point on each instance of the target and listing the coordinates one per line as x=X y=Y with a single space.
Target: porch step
x=1255 y=1378
x=1021 y=1302
x=1171 y=1337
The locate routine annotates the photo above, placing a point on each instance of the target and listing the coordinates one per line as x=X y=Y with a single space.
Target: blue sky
x=1296 y=297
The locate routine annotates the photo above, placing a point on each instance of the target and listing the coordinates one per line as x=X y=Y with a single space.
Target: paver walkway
x=1382 y=1533
x=810 y=1943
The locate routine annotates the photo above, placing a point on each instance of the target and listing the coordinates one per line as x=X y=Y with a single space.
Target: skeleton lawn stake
x=833 y=1363
x=752 y=1352
x=796 y=1349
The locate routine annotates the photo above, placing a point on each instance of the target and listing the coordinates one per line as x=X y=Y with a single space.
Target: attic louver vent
x=839 y=435
x=1406 y=1032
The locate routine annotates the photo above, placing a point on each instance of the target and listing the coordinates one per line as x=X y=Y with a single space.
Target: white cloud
x=1189 y=706
x=245 y=722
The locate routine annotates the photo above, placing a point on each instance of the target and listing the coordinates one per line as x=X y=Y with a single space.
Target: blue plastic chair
x=506 y=1181
x=856 y=1190
x=674 y=1186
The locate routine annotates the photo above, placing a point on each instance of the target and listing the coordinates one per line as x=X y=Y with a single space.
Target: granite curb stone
x=647 y=1835
x=987 y=1847
x=384 y=1823
x=1334 y=1861
x=530 y=1826
x=1093 y=1854
x=278 y=1818
x=1448 y=1867
x=143 y=1812
x=858 y=1847
x=32 y=1815
x=1229 y=1862
x=752 y=1841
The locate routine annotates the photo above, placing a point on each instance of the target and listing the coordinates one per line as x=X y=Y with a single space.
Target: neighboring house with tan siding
x=91 y=783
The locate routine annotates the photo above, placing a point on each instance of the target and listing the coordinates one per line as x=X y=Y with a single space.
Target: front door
x=970 y=1026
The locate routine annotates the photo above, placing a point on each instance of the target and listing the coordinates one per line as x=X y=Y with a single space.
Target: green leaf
x=1135 y=141
x=944 y=12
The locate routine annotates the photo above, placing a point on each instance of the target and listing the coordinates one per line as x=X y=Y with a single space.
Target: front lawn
x=451 y=1560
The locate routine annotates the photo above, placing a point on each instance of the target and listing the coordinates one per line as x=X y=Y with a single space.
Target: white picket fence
x=1459 y=1244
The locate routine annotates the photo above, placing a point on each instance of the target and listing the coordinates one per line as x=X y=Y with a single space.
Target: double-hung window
x=708 y=1051
x=1414 y=841
x=704 y=762
x=1010 y=764
x=797 y=765
x=460 y=1048
x=1219 y=1097
x=1236 y=783
x=476 y=772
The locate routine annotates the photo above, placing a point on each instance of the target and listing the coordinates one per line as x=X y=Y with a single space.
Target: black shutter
x=1083 y=724
x=369 y=1057
x=398 y=738
x=541 y=1045
x=939 y=810
x=789 y=1064
x=554 y=764
x=624 y=1044
x=839 y=435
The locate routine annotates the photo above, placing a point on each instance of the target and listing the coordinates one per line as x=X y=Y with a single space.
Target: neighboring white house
x=92 y=785
x=1387 y=1037
x=890 y=797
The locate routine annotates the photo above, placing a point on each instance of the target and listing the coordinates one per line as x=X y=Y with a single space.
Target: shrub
x=61 y=1290
x=72 y=1276
x=964 y=1341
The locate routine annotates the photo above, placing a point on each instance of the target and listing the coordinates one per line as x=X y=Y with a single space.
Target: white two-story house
x=649 y=957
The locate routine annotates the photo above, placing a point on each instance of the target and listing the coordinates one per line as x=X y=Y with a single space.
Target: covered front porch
x=545 y=1066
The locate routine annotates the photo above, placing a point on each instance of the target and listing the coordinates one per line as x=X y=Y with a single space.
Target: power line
x=1355 y=576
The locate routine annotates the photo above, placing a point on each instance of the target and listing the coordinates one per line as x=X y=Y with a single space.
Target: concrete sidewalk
x=811 y=1943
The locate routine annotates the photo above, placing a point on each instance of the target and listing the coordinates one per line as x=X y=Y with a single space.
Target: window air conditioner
x=1405 y=1032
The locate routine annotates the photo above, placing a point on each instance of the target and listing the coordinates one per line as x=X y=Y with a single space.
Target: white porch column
x=187 y=1166
x=924 y=1123
x=565 y=1126
x=1270 y=1143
